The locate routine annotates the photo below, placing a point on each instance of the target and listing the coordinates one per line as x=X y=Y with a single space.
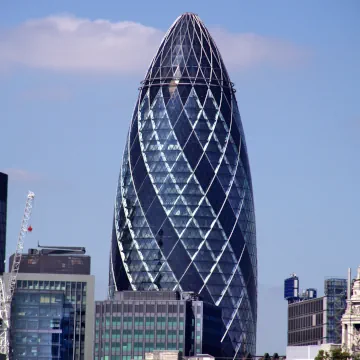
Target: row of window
x=127 y=335
x=305 y=336
x=305 y=321
x=305 y=307
x=50 y=285
x=148 y=321
x=116 y=333
x=119 y=307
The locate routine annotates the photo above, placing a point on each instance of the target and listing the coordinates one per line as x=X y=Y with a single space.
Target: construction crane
x=7 y=290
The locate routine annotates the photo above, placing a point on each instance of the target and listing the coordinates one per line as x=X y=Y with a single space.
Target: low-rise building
x=137 y=322
x=52 y=313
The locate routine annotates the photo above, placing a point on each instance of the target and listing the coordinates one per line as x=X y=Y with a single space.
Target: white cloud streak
x=21 y=175
x=68 y=43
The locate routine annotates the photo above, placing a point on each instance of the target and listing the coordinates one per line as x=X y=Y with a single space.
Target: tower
x=351 y=319
x=184 y=214
x=3 y=211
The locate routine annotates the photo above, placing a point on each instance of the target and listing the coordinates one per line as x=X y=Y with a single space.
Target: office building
x=184 y=214
x=312 y=320
x=3 y=211
x=54 y=261
x=134 y=323
x=307 y=322
x=52 y=313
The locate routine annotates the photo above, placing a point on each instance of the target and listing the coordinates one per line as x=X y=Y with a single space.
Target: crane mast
x=7 y=292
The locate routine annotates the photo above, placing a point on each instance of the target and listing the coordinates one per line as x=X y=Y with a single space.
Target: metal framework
x=7 y=292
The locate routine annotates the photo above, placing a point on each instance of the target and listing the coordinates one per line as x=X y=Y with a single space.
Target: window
x=139 y=321
x=107 y=321
x=127 y=322
x=115 y=335
x=138 y=335
x=172 y=322
x=126 y=346
x=44 y=299
x=116 y=321
x=149 y=321
x=160 y=346
x=149 y=335
x=172 y=335
x=160 y=335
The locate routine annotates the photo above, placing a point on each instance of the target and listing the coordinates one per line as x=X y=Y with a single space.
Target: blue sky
x=68 y=85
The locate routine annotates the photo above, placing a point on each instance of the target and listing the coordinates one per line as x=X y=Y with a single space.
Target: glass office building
x=3 y=210
x=52 y=317
x=184 y=214
x=36 y=316
x=52 y=311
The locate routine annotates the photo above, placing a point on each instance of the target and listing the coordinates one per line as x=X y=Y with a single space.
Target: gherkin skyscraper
x=184 y=214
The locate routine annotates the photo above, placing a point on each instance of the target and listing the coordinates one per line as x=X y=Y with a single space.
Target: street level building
x=52 y=313
x=134 y=323
x=3 y=211
x=184 y=212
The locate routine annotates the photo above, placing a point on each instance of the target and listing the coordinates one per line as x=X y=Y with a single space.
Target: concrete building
x=307 y=352
x=312 y=320
x=52 y=313
x=307 y=322
x=135 y=323
x=174 y=355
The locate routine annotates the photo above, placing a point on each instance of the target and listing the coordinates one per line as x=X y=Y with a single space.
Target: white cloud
x=248 y=49
x=21 y=175
x=68 y=43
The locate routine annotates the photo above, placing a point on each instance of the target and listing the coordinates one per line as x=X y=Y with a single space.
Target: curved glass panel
x=184 y=213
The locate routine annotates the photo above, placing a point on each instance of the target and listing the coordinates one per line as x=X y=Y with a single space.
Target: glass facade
x=36 y=319
x=3 y=210
x=184 y=214
x=48 y=320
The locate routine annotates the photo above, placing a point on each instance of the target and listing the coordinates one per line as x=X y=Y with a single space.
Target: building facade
x=52 y=314
x=134 y=323
x=350 y=321
x=184 y=214
x=311 y=320
x=3 y=212
x=307 y=322
x=49 y=261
